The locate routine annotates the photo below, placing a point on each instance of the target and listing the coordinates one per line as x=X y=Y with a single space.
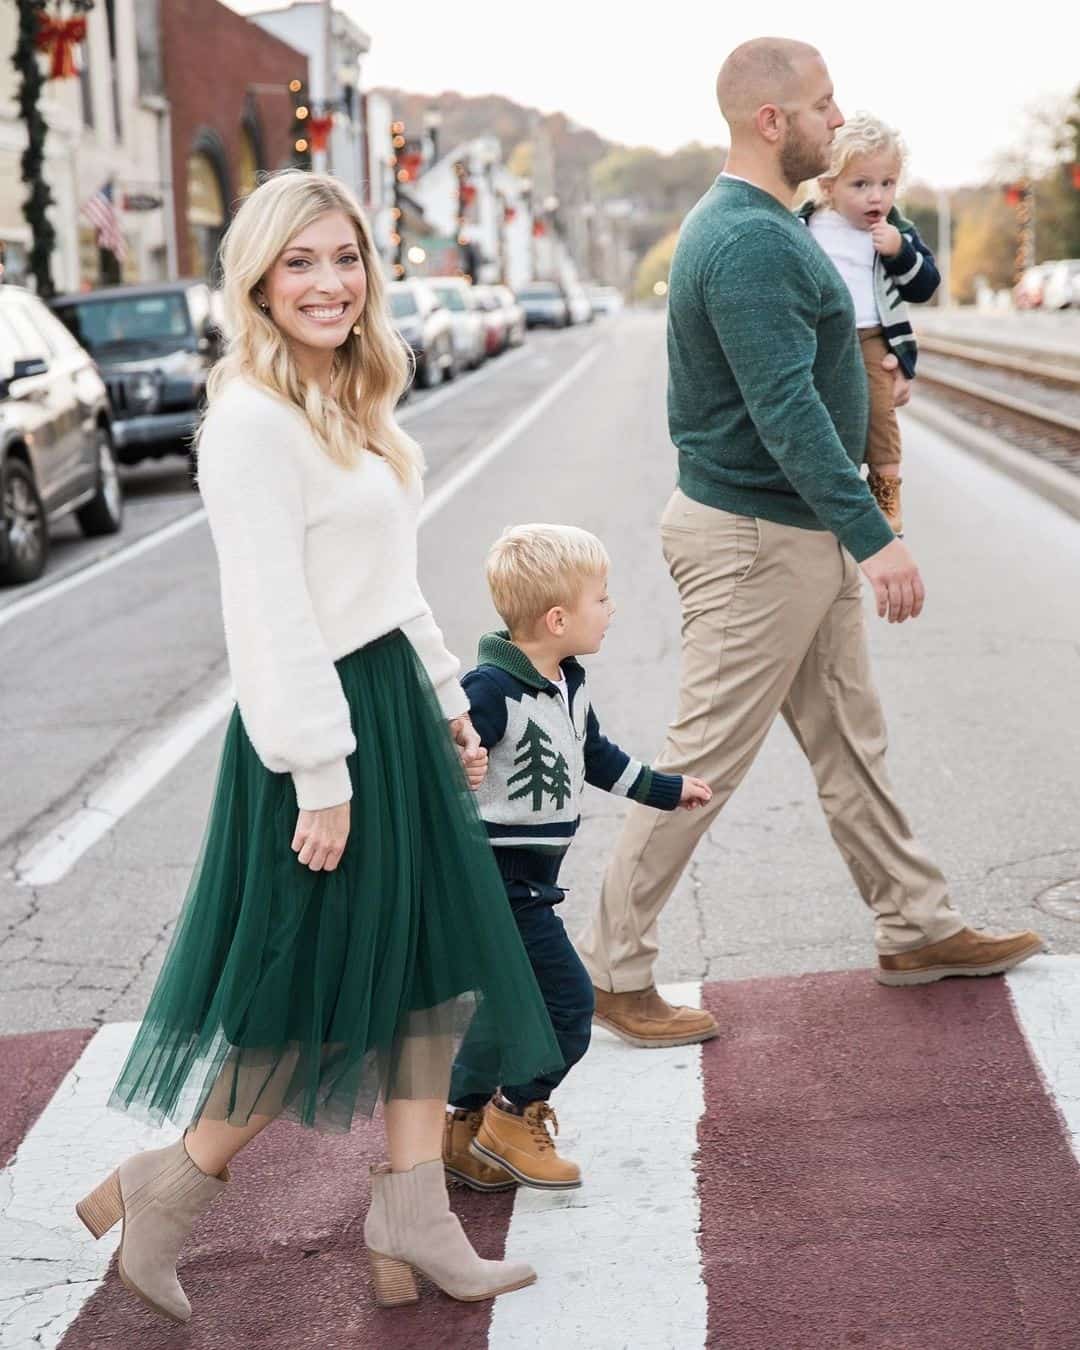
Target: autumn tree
x=655 y=266
x=984 y=245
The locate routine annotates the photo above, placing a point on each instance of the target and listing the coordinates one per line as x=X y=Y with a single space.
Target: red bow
x=319 y=129
x=60 y=36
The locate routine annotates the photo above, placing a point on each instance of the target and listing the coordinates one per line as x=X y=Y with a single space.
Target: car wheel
x=428 y=372
x=24 y=525
x=104 y=513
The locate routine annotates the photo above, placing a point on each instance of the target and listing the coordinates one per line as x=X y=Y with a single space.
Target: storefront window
x=205 y=214
x=247 y=164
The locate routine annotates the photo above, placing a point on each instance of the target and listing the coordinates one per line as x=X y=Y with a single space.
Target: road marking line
x=461 y=385
x=1045 y=993
x=493 y=449
x=56 y=589
x=631 y=1121
x=49 y=1267
x=52 y=857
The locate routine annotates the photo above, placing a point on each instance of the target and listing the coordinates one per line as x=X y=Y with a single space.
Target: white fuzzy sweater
x=316 y=560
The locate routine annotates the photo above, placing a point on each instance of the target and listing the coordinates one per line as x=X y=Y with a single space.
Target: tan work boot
x=886 y=492
x=641 y=1017
x=410 y=1227
x=159 y=1195
x=968 y=952
x=522 y=1145
x=461 y=1164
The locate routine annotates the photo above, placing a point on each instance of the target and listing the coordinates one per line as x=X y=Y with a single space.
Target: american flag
x=101 y=213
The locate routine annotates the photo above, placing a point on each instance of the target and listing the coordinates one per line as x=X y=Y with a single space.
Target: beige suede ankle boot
x=410 y=1228
x=159 y=1195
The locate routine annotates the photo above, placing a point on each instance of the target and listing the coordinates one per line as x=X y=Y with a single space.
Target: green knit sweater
x=767 y=394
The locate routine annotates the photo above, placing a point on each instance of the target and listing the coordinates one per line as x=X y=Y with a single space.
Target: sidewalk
x=845 y=1165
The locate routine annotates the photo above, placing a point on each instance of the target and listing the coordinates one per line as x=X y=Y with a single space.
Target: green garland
x=38 y=198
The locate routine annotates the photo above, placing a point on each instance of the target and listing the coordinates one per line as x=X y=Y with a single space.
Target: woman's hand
x=474 y=758
x=321 y=836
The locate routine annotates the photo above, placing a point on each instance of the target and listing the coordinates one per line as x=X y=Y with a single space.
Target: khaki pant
x=772 y=622
x=883 y=430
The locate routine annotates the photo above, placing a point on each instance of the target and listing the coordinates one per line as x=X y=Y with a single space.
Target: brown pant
x=883 y=432
x=772 y=622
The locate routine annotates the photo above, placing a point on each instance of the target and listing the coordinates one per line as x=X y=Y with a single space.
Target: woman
x=345 y=915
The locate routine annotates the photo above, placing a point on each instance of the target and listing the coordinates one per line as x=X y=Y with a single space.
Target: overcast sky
x=952 y=76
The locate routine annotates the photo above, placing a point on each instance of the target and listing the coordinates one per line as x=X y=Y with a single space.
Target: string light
x=301 y=146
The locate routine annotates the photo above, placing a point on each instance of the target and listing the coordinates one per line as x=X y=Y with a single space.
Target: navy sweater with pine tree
x=541 y=754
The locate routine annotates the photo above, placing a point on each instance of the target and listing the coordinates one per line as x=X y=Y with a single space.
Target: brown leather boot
x=458 y=1133
x=968 y=952
x=886 y=492
x=522 y=1145
x=159 y=1195
x=410 y=1227
x=641 y=1017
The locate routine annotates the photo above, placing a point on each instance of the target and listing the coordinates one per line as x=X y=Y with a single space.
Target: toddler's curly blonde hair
x=861 y=134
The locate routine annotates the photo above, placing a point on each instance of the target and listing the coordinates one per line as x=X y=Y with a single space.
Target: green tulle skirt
x=315 y=994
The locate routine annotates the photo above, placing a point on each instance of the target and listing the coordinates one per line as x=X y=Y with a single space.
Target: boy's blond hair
x=532 y=568
x=861 y=134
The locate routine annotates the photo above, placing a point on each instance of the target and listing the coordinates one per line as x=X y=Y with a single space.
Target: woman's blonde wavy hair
x=371 y=368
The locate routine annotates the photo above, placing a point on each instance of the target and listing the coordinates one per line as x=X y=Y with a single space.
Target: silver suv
x=56 y=452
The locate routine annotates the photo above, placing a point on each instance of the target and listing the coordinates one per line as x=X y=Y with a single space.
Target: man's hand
x=694 y=793
x=474 y=758
x=901 y=385
x=320 y=837
x=887 y=239
x=897 y=584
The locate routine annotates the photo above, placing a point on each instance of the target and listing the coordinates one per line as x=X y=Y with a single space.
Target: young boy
x=532 y=711
x=884 y=262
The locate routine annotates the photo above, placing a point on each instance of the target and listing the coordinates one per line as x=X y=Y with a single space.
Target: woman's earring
x=357 y=329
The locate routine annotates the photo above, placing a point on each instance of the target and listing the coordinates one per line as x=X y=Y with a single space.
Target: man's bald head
x=764 y=70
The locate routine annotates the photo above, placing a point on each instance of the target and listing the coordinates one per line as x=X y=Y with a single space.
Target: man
x=765 y=537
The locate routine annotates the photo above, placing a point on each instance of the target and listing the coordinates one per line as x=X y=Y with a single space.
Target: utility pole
x=944 y=248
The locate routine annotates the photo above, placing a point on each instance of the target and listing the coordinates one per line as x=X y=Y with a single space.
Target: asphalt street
x=980 y=694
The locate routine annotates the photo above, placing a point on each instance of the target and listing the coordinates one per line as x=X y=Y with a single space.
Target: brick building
x=226 y=81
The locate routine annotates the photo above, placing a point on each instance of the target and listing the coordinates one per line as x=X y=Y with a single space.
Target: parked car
x=154 y=344
x=605 y=299
x=424 y=323
x=1028 y=291
x=467 y=323
x=495 y=319
x=56 y=452
x=544 y=304
x=515 y=315
x=1061 y=287
x=578 y=304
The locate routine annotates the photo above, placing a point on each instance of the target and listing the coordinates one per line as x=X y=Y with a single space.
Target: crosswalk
x=844 y=1165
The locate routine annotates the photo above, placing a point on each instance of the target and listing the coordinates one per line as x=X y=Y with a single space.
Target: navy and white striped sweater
x=911 y=276
x=541 y=754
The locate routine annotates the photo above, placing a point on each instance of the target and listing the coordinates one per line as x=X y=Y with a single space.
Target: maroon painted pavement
x=882 y=1168
x=32 y=1067
x=279 y=1263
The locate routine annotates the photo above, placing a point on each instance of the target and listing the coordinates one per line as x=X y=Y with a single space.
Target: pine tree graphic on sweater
x=558 y=785
x=542 y=770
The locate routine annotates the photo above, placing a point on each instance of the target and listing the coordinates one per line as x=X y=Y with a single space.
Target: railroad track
x=1029 y=399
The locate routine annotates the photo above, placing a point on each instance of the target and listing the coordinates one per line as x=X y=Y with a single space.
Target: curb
x=1054 y=485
